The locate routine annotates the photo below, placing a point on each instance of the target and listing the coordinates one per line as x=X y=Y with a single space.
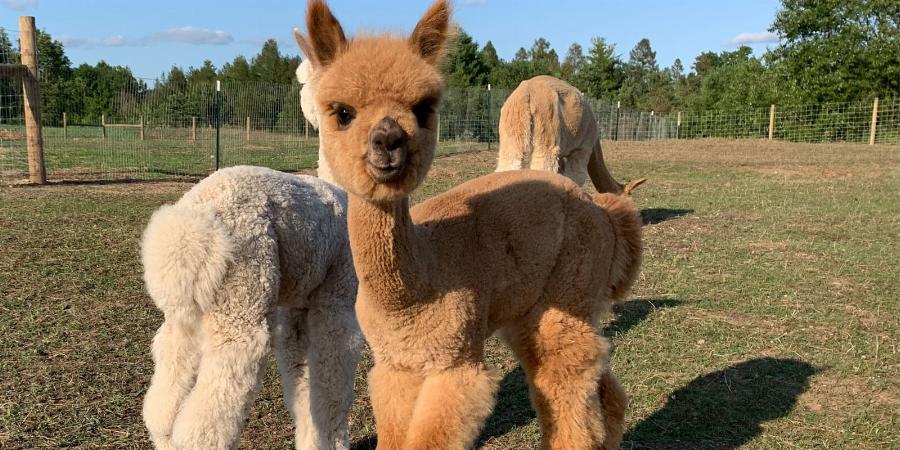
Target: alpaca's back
x=295 y=223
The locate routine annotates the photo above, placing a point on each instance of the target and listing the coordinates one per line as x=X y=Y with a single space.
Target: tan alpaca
x=547 y=124
x=525 y=253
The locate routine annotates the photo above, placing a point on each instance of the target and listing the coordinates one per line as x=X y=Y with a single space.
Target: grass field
x=165 y=153
x=767 y=315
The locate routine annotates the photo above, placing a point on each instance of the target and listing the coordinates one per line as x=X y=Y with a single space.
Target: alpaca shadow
x=367 y=443
x=724 y=409
x=629 y=314
x=652 y=216
x=513 y=408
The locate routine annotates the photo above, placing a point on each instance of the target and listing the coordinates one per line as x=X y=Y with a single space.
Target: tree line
x=828 y=51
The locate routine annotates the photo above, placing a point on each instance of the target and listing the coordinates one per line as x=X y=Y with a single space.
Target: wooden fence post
x=142 y=127
x=873 y=130
x=772 y=122
x=37 y=171
x=193 y=128
x=103 y=124
x=248 y=129
x=678 y=127
x=65 y=126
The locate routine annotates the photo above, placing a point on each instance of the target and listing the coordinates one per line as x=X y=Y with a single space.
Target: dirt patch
x=11 y=135
x=834 y=393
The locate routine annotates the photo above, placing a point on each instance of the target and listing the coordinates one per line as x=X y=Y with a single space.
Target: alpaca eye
x=344 y=114
x=424 y=110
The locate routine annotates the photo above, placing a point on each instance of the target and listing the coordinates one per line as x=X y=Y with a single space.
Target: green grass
x=766 y=315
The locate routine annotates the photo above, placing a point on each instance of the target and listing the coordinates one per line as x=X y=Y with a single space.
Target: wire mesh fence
x=151 y=130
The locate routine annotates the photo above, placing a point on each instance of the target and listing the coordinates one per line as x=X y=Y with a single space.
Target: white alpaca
x=248 y=256
x=305 y=76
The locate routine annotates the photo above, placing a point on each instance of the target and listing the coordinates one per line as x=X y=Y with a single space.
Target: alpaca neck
x=389 y=262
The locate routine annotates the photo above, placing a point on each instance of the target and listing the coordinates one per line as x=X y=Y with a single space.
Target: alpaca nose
x=386 y=156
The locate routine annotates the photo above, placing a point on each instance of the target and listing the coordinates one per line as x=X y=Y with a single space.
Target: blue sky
x=151 y=36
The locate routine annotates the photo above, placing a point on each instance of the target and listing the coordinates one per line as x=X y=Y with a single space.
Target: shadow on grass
x=366 y=443
x=724 y=409
x=513 y=408
x=629 y=314
x=652 y=216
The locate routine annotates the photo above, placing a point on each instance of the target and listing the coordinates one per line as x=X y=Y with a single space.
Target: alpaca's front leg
x=451 y=409
x=176 y=354
x=335 y=343
x=393 y=394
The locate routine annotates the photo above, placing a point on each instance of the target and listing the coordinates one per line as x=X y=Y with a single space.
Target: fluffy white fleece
x=249 y=258
x=306 y=77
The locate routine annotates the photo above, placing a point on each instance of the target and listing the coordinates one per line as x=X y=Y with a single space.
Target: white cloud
x=191 y=35
x=19 y=5
x=182 y=35
x=762 y=37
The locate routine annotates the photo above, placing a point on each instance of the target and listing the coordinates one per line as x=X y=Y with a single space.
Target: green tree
x=464 y=65
x=544 y=60
x=237 y=70
x=839 y=50
x=601 y=74
x=572 y=63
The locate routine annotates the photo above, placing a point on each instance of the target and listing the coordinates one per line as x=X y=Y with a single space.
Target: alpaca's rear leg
x=564 y=358
x=451 y=409
x=393 y=394
x=292 y=356
x=234 y=348
x=176 y=355
x=335 y=342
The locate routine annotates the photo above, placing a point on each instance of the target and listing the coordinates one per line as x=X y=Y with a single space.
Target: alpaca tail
x=185 y=252
x=626 y=220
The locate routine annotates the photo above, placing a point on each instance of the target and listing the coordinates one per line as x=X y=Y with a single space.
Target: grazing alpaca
x=524 y=253
x=246 y=256
x=549 y=122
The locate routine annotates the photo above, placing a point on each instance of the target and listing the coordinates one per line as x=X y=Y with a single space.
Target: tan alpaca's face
x=378 y=98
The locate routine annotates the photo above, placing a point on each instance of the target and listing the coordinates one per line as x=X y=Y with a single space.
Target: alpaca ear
x=325 y=38
x=631 y=185
x=431 y=33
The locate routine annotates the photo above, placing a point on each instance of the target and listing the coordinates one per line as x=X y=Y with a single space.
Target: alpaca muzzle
x=387 y=155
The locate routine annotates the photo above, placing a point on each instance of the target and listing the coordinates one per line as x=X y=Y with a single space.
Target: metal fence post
x=218 y=118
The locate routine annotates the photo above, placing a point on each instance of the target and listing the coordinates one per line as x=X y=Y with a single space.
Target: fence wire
x=150 y=130
x=13 y=160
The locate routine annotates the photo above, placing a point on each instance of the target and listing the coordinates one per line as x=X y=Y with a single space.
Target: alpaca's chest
x=435 y=334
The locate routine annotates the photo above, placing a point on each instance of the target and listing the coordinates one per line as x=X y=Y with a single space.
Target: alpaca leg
x=393 y=394
x=547 y=158
x=564 y=358
x=613 y=401
x=335 y=343
x=291 y=354
x=176 y=354
x=451 y=409
x=234 y=349
x=576 y=165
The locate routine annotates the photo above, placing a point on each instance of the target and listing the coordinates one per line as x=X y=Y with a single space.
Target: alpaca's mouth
x=385 y=174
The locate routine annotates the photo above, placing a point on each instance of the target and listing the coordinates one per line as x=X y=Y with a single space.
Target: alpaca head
x=377 y=98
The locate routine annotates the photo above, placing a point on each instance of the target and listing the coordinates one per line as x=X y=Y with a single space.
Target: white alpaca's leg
x=291 y=353
x=176 y=354
x=335 y=343
x=234 y=349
